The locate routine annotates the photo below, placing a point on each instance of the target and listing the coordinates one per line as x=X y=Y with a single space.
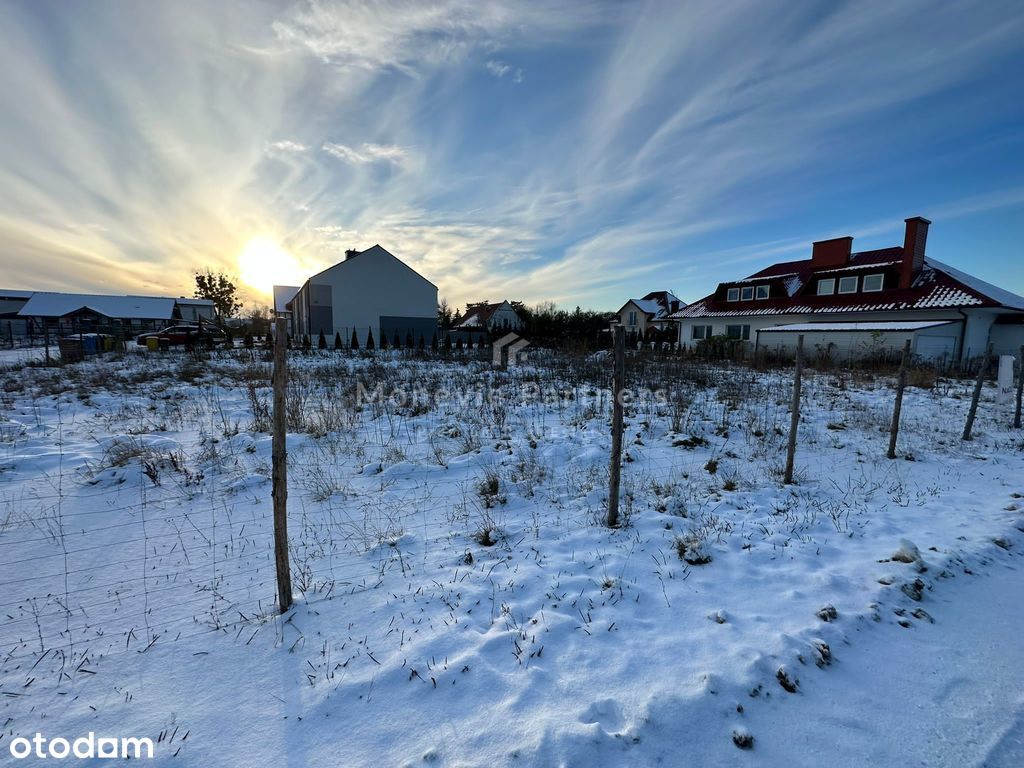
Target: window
x=748 y=293
x=826 y=287
x=848 y=284
x=873 y=283
x=701 y=332
x=632 y=317
x=733 y=294
x=738 y=332
x=762 y=291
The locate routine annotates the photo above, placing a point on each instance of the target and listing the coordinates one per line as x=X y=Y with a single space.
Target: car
x=177 y=335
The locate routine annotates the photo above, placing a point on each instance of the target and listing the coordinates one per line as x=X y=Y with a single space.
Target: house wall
x=358 y=293
x=641 y=319
x=977 y=331
x=1007 y=339
x=757 y=323
x=505 y=317
x=939 y=343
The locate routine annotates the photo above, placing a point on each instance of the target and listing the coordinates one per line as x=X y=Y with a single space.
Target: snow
x=44 y=304
x=873 y=326
x=1001 y=295
x=858 y=267
x=458 y=601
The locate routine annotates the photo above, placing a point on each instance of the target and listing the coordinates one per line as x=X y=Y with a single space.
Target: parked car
x=177 y=335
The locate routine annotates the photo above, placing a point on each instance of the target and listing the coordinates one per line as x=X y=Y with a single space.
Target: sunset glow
x=263 y=263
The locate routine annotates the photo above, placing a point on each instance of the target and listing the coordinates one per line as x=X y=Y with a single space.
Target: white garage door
x=935 y=347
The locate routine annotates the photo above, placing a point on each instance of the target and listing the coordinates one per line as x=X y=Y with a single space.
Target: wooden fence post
x=279 y=469
x=615 y=466
x=794 y=420
x=901 y=383
x=977 y=394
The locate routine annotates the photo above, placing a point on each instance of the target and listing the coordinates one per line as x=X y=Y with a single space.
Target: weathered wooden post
x=901 y=383
x=46 y=342
x=794 y=420
x=279 y=467
x=615 y=466
x=1020 y=386
x=977 y=394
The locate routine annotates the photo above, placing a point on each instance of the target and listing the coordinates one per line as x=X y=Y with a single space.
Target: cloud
x=499 y=69
x=406 y=35
x=665 y=146
x=287 y=146
x=367 y=153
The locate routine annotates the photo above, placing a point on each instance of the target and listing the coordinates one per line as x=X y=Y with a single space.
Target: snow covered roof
x=478 y=315
x=43 y=304
x=916 y=325
x=282 y=295
x=656 y=304
x=936 y=286
x=1004 y=297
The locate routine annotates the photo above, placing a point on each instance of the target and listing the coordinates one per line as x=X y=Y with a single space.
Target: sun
x=263 y=263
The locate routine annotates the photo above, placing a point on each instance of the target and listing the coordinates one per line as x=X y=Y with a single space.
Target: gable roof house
x=652 y=311
x=77 y=311
x=371 y=291
x=849 y=304
x=481 y=317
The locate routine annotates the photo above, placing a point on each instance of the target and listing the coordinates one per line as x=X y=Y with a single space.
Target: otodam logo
x=515 y=345
x=83 y=748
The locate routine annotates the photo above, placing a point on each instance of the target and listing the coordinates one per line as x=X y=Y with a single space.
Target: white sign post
x=1004 y=382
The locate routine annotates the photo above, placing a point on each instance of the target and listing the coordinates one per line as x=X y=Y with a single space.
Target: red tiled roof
x=935 y=287
x=477 y=315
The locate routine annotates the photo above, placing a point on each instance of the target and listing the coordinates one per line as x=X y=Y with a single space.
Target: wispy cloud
x=499 y=69
x=664 y=146
x=367 y=153
x=287 y=146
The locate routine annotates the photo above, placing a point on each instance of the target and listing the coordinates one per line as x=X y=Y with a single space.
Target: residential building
x=652 y=312
x=483 y=317
x=83 y=312
x=849 y=304
x=371 y=291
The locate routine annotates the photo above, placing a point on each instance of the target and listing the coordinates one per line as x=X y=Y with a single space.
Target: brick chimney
x=350 y=253
x=913 y=249
x=832 y=253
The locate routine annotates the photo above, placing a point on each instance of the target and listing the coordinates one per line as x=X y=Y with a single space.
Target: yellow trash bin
x=153 y=343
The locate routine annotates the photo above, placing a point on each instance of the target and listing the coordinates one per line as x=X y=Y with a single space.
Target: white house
x=850 y=304
x=501 y=316
x=652 y=311
x=371 y=291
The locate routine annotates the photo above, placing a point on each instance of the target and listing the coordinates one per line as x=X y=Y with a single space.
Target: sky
x=538 y=151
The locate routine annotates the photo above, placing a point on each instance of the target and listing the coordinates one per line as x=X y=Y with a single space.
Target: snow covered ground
x=458 y=600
